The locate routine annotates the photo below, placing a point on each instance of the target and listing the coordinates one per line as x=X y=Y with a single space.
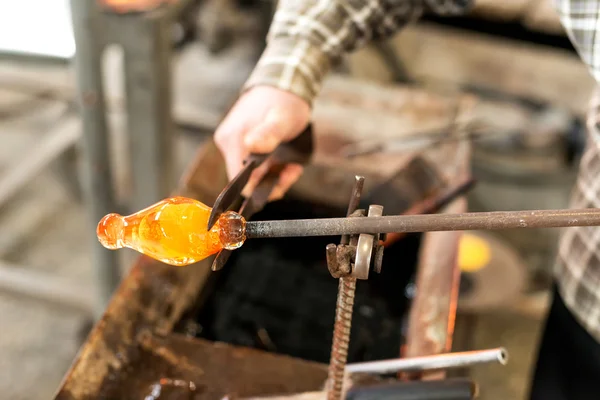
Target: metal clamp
x=365 y=248
x=355 y=259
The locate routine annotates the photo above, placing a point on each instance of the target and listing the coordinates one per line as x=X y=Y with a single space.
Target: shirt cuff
x=293 y=64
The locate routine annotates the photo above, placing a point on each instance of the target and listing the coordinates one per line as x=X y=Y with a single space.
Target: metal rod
x=343 y=312
x=438 y=361
x=449 y=196
x=96 y=174
x=359 y=183
x=424 y=223
x=146 y=42
x=432 y=206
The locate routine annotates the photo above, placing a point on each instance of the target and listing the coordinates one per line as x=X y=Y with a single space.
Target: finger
x=289 y=176
x=234 y=158
x=229 y=142
x=274 y=130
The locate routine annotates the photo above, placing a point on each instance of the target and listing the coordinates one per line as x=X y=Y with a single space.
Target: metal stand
x=146 y=42
x=145 y=39
x=95 y=169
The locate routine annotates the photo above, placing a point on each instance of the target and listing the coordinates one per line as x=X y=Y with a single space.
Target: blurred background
x=513 y=56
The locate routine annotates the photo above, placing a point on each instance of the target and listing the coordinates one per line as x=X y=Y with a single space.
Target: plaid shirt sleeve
x=306 y=36
x=578 y=261
x=581 y=19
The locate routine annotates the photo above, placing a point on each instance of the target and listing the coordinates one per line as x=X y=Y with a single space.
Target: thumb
x=265 y=137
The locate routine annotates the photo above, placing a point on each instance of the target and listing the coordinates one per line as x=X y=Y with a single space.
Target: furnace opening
x=277 y=295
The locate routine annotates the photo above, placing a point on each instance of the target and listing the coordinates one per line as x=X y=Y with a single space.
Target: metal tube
x=146 y=42
x=95 y=168
x=424 y=223
x=425 y=363
x=359 y=183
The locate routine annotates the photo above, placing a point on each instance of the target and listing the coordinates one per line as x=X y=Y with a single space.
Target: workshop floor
x=44 y=228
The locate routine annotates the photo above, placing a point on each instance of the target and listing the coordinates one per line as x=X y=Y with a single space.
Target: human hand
x=260 y=120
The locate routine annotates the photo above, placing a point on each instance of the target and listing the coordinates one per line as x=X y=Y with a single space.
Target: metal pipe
x=424 y=223
x=96 y=174
x=431 y=206
x=425 y=363
x=146 y=42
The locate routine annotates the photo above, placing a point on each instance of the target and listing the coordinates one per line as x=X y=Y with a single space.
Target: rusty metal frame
x=152 y=297
x=432 y=317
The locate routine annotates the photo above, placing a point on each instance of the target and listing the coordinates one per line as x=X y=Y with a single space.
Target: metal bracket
x=355 y=259
x=365 y=248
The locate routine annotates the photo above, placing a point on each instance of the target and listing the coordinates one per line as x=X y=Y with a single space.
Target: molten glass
x=173 y=231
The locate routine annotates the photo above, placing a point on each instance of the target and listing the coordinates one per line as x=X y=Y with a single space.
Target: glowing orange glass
x=173 y=231
x=124 y=6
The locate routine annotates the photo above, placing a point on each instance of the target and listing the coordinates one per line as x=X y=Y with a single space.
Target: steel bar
x=438 y=361
x=146 y=42
x=343 y=312
x=354 y=202
x=432 y=205
x=97 y=178
x=495 y=220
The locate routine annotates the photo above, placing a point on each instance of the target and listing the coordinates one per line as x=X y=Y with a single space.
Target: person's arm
x=307 y=36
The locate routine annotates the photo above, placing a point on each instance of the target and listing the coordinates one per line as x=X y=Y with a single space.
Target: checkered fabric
x=578 y=261
x=306 y=36
x=581 y=20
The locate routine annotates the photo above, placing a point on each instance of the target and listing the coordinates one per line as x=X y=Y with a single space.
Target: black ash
x=277 y=294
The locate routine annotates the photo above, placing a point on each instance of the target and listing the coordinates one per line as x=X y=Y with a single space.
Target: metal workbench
x=134 y=344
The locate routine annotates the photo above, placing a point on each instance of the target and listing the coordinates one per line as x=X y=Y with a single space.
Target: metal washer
x=364 y=248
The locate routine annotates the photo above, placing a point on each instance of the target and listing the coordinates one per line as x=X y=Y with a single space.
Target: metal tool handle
x=298 y=150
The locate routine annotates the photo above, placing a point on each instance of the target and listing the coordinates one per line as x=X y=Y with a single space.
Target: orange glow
x=173 y=231
x=124 y=6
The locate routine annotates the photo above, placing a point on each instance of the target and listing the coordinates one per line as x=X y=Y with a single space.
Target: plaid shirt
x=578 y=266
x=306 y=36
